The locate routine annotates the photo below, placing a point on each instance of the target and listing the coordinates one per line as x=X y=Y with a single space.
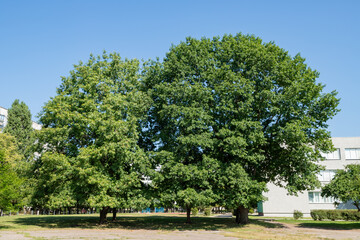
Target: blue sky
x=41 y=40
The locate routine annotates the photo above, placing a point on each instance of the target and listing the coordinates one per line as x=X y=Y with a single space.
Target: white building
x=279 y=203
x=3 y=120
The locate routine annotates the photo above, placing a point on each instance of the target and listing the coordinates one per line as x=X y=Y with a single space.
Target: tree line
x=210 y=124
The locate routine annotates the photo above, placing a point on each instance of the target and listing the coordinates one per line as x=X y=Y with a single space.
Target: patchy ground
x=172 y=227
x=284 y=232
x=82 y=234
x=316 y=233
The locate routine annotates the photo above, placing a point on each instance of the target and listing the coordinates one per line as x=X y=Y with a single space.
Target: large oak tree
x=231 y=114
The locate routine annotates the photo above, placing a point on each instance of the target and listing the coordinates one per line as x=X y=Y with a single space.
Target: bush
x=194 y=211
x=298 y=214
x=207 y=211
x=347 y=215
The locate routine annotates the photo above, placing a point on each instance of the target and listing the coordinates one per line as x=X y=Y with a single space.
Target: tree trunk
x=114 y=214
x=237 y=215
x=103 y=213
x=188 y=212
x=242 y=215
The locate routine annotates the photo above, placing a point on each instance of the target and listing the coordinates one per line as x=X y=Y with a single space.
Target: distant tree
x=19 y=125
x=90 y=155
x=10 y=182
x=345 y=186
x=235 y=110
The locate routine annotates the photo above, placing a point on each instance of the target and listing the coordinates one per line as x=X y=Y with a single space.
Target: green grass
x=335 y=225
x=167 y=222
x=124 y=221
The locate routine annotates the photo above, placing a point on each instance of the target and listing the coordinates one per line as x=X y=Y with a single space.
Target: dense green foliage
x=345 y=186
x=11 y=192
x=19 y=125
x=218 y=119
x=230 y=115
x=88 y=144
x=348 y=215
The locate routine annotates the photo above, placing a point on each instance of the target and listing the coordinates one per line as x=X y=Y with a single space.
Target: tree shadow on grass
x=4 y=227
x=137 y=223
x=336 y=225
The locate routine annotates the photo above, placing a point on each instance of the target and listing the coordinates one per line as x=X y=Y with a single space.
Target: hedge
x=348 y=215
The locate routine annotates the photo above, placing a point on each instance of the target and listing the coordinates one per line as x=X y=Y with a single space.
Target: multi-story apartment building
x=279 y=203
x=3 y=120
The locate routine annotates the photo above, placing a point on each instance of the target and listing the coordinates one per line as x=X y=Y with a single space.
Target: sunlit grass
x=259 y=227
x=336 y=225
x=123 y=221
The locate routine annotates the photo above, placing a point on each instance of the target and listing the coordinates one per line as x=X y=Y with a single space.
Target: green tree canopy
x=236 y=104
x=90 y=155
x=345 y=186
x=10 y=182
x=19 y=125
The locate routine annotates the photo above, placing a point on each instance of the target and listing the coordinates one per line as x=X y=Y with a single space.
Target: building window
x=315 y=197
x=326 y=175
x=332 y=156
x=352 y=153
x=2 y=118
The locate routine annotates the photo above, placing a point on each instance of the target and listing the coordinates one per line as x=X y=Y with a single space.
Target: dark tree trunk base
x=188 y=212
x=242 y=215
x=103 y=213
x=114 y=214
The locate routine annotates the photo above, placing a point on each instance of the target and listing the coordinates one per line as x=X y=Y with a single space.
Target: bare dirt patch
x=81 y=234
x=285 y=232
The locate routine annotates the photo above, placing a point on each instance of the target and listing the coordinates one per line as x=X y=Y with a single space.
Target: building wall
x=3 y=118
x=279 y=203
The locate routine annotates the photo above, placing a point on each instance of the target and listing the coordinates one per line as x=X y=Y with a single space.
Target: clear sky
x=41 y=40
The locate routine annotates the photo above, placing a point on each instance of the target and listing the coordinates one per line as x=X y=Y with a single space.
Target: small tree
x=345 y=186
x=19 y=125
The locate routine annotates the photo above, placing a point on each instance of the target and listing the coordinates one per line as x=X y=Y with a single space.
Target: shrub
x=333 y=215
x=207 y=211
x=298 y=214
x=347 y=215
x=313 y=215
x=194 y=211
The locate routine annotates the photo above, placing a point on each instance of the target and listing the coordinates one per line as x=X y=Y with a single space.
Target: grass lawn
x=124 y=221
x=259 y=227
x=158 y=222
x=335 y=225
